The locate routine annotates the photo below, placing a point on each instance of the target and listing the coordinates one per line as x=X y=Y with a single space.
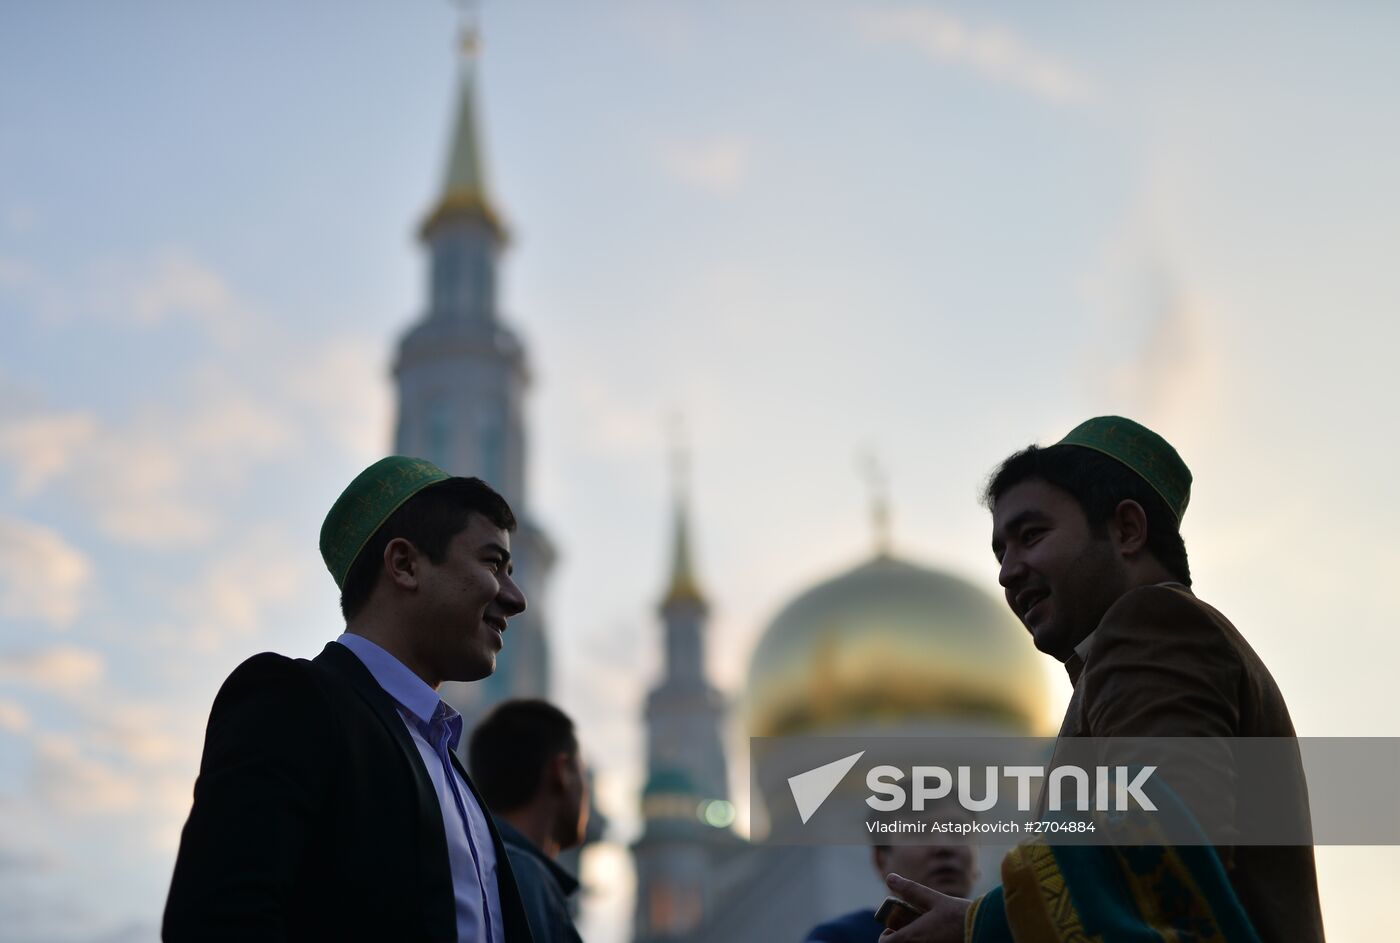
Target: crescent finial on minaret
x=877 y=480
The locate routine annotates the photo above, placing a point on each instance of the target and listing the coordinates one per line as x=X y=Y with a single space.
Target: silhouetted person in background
x=948 y=868
x=525 y=760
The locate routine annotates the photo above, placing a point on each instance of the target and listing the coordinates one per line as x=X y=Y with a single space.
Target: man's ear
x=563 y=771
x=401 y=563
x=1128 y=527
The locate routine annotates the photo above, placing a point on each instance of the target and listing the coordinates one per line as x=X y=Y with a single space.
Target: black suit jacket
x=314 y=817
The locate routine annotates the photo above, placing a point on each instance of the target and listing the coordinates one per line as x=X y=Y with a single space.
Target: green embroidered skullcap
x=366 y=504
x=1142 y=450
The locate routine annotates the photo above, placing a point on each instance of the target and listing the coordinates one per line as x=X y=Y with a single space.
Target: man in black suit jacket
x=329 y=804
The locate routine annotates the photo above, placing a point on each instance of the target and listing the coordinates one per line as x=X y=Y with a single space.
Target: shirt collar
x=412 y=693
x=1074 y=665
x=514 y=838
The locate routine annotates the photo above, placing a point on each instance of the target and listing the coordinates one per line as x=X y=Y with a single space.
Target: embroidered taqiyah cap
x=366 y=504
x=1142 y=450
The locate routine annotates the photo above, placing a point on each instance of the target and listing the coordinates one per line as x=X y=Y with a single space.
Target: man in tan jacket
x=1087 y=533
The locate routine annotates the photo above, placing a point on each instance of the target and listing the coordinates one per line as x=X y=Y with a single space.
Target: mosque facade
x=889 y=647
x=886 y=648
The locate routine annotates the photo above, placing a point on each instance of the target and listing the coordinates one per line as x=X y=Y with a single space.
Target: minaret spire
x=877 y=480
x=685 y=802
x=683 y=588
x=464 y=192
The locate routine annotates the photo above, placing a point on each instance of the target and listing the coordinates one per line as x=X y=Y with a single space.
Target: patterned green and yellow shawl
x=1148 y=893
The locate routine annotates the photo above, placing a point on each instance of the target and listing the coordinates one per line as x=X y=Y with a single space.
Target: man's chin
x=1049 y=639
x=476 y=670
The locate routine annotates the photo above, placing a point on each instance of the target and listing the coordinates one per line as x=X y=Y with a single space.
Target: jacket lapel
x=433 y=864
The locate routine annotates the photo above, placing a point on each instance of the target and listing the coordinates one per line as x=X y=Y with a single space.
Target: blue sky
x=935 y=231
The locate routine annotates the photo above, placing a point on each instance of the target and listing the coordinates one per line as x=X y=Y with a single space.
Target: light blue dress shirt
x=436 y=729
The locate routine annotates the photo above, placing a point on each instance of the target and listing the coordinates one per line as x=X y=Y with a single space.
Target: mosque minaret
x=685 y=803
x=462 y=377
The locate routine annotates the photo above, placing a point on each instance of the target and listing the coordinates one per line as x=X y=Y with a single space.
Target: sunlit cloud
x=1154 y=354
x=72 y=780
x=14 y=718
x=41 y=448
x=233 y=591
x=58 y=668
x=140 y=732
x=163 y=287
x=992 y=51
x=137 y=495
x=158 y=473
x=41 y=576
x=166 y=287
x=142 y=478
x=123 y=758
x=1173 y=376
x=608 y=422
x=719 y=165
x=356 y=416
x=174 y=284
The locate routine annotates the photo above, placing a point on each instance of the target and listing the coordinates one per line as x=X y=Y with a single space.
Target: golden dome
x=890 y=643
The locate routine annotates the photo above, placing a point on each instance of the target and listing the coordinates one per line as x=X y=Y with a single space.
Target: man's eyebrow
x=494 y=547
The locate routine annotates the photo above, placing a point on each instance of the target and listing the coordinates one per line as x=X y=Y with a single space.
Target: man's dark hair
x=511 y=746
x=428 y=520
x=1098 y=483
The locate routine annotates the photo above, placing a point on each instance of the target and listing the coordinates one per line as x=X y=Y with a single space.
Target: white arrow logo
x=810 y=789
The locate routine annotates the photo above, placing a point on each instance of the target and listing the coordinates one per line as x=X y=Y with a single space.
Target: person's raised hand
x=942 y=919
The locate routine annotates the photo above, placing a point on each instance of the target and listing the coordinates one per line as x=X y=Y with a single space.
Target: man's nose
x=511 y=597
x=1011 y=569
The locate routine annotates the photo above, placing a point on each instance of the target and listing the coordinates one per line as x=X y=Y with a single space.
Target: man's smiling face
x=466 y=601
x=1059 y=577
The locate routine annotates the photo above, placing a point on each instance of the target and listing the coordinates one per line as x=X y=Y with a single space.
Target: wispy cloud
x=354 y=415
x=167 y=286
x=719 y=165
x=233 y=591
x=41 y=576
x=609 y=423
x=144 y=478
x=1155 y=356
x=992 y=51
x=43 y=447
x=1172 y=376
x=155 y=473
x=15 y=719
x=57 y=668
x=74 y=781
